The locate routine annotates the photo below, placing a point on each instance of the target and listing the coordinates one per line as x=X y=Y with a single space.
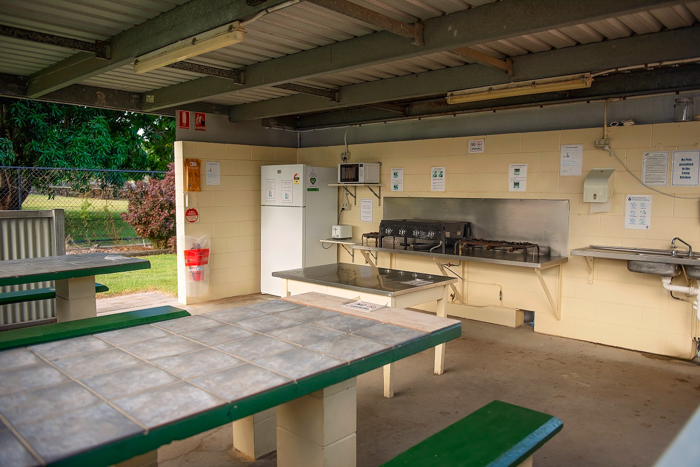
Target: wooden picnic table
x=74 y=276
x=103 y=398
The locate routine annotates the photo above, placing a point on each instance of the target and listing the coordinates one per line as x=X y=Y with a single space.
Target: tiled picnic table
x=103 y=398
x=74 y=276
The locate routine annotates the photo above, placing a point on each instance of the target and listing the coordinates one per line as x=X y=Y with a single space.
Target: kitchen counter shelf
x=536 y=263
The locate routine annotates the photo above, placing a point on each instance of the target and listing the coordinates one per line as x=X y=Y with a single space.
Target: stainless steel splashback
x=541 y=221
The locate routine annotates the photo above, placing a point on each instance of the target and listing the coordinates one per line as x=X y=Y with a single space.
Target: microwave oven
x=358 y=172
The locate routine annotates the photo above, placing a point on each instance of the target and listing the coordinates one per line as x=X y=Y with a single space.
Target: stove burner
x=467 y=244
x=440 y=233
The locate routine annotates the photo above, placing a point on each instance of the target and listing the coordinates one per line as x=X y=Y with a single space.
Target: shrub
x=151 y=210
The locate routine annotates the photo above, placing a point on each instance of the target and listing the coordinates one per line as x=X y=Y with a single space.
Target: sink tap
x=673 y=247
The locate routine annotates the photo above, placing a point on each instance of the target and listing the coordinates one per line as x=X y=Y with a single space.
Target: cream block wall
x=618 y=308
x=229 y=214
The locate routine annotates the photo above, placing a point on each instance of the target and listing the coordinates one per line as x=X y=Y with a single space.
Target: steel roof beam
x=643 y=82
x=98 y=48
x=495 y=21
x=360 y=13
x=670 y=45
x=185 y=21
x=89 y=96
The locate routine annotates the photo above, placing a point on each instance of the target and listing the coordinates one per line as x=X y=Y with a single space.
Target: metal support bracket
x=590 y=262
x=354 y=194
x=351 y=252
x=556 y=305
x=457 y=295
x=378 y=196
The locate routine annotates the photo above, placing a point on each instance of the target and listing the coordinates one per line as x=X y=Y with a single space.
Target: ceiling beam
x=360 y=13
x=670 y=45
x=90 y=96
x=98 y=48
x=187 y=20
x=643 y=82
x=486 y=60
x=495 y=21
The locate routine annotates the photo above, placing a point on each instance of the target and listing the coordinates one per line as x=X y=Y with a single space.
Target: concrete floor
x=619 y=407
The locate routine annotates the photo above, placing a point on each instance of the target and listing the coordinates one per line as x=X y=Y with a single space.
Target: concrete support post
x=75 y=299
x=319 y=430
x=254 y=436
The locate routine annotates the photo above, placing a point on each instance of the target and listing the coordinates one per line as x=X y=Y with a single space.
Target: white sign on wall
x=517 y=179
x=437 y=179
x=366 y=210
x=638 y=212
x=655 y=168
x=476 y=146
x=686 y=168
x=396 y=179
x=213 y=170
x=571 y=159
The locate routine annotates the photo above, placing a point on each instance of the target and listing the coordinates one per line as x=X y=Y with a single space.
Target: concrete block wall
x=618 y=308
x=229 y=214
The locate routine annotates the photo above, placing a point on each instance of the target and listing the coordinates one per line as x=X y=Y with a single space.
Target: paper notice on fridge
x=287 y=191
x=366 y=210
x=655 y=168
x=638 y=212
x=270 y=189
x=517 y=180
x=571 y=160
x=437 y=179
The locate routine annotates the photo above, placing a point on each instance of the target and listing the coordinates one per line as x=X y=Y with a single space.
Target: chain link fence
x=92 y=200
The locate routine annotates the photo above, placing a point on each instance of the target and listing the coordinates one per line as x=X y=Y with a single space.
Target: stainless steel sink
x=659 y=269
x=693 y=272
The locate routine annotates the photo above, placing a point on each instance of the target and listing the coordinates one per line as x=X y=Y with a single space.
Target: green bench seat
x=498 y=434
x=45 y=293
x=82 y=327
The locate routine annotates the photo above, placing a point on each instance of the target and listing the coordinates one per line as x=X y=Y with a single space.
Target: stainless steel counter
x=480 y=256
x=367 y=279
x=637 y=254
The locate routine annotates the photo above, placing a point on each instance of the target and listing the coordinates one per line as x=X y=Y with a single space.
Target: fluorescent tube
x=196 y=45
x=521 y=88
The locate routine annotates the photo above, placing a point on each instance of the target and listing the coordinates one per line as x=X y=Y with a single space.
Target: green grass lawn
x=162 y=277
x=88 y=220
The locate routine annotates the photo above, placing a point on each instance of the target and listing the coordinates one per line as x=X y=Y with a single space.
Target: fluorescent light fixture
x=521 y=88
x=196 y=45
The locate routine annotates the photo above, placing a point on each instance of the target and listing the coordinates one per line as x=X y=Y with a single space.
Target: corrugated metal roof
x=300 y=27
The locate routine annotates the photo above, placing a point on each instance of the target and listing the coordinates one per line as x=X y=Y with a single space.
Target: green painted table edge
x=81 y=327
x=46 y=293
x=497 y=434
x=57 y=276
x=142 y=443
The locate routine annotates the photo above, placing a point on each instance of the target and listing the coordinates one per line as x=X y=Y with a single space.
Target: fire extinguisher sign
x=191 y=215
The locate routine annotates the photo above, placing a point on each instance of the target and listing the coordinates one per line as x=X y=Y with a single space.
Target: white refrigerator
x=298 y=210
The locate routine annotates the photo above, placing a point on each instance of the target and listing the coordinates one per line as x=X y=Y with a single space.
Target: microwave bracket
x=377 y=194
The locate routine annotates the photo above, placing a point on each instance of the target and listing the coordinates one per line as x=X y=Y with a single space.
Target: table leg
x=440 y=349
x=254 y=436
x=285 y=288
x=75 y=299
x=389 y=380
x=319 y=429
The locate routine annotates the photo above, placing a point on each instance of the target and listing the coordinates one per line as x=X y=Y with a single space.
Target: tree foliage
x=151 y=210
x=42 y=134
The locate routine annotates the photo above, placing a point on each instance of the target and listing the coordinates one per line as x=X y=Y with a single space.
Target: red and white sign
x=191 y=215
x=184 y=119
x=200 y=121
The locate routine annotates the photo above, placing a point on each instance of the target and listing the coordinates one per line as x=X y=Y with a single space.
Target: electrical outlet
x=602 y=142
x=345 y=156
